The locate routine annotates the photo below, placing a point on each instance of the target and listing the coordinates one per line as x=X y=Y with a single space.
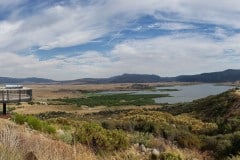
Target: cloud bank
x=76 y=39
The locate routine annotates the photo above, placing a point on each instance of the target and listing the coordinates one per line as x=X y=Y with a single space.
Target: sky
x=72 y=39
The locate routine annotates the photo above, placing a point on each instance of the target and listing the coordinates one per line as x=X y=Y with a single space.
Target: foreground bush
x=100 y=139
x=169 y=156
x=34 y=123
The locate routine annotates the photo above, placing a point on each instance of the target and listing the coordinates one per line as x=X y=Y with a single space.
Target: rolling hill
x=8 y=80
x=229 y=75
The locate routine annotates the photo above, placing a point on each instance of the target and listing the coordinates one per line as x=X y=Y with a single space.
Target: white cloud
x=165 y=56
x=10 y=3
x=55 y=27
x=64 y=25
x=171 y=26
x=174 y=55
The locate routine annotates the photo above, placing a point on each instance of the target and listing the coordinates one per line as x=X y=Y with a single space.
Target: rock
x=143 y=148
x=30 y=156
x=155 y=153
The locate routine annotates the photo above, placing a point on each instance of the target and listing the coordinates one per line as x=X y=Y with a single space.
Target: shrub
x=48 y=128
x=208 y=143
x=34 y=123
x=186 y=139
x=142 y=138
x=101 y=139
x=19 y=119
x=235 y=148
x=223 y=147
x=169 y=156
x=31 y=103
x=65 y=136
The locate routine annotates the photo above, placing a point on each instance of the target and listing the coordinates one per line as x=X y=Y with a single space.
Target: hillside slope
x=229 y=75
x=8 y=80
x=224 y=105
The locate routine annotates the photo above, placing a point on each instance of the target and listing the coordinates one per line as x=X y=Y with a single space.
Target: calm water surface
x=186 y=93
x=191 y=92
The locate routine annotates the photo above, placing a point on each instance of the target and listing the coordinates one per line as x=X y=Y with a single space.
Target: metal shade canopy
x=14 y=93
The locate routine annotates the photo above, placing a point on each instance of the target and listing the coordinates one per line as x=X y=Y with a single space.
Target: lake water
x=191 y=92
x=185 y=93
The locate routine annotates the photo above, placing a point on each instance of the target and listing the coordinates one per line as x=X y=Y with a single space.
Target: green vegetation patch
x=100 y=139
x=182 y=129
x=34 y=123
x=168 y=90
x=209 y=108
x=114 y=100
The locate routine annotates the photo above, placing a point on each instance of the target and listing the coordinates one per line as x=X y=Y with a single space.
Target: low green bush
x=34 y=123
x=188 y=140
x=19 y=119
x=169 y=156
x=47 y=128
x=142 y=138
x=65 y=136
x=31 y=103
x=113 y=100
x=100 y=139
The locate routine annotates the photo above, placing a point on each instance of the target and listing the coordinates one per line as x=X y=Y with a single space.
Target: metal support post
x=4 y=108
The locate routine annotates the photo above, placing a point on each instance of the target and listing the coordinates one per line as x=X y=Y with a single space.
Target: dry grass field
x=25 y=108
x=41 y=93
x=20 y=142
x=176 y=137
x=238 y=92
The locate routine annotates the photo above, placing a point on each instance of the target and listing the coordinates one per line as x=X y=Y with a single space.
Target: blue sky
x=71 y=39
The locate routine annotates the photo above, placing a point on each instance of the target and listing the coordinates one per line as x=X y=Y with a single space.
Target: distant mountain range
x=229 y=75
x=8 y=80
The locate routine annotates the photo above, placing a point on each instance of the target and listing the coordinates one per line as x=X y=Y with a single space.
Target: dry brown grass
x=238 y=92
x=25 y=108
x=16 y=142
x=44 y=91
x=184 y=153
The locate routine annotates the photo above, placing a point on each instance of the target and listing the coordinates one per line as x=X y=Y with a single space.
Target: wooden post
x=4 y=108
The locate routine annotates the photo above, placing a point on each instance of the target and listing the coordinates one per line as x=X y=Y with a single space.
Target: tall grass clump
x=9 y=142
